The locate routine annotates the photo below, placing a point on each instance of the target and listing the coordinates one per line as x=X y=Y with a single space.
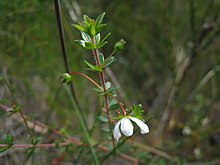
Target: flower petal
x=144 y=128
x=116 y=132
x=126 y=127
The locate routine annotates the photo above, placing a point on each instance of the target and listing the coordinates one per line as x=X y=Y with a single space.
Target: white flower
x=127 y=127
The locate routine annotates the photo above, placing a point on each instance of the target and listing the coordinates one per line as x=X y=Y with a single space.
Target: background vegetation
x=170 y=64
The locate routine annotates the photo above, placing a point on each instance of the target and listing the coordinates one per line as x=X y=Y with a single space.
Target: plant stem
x=97 y=85
x=101 y=75
x=14 y=100
x=83 y=125
x=102 y=78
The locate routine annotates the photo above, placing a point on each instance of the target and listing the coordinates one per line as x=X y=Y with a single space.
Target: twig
x=14 y=100
x=152 y=150
x=42 y=128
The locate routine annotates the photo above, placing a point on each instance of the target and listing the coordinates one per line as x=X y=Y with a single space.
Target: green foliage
x=92 y=67
x=137 y=111
x=90 y=26
x=13 y=110
x=9 y=140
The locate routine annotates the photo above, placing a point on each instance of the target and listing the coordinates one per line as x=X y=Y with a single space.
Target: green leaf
x=87 y=20
x=109 y=61
x=99 y=19
x=97 y=68
x=97 y=38
x=100 y=28
x=112 y=89
x=103 y=119
x=89 y=45
x=113 y=105
x=86 y=37
x=106 y=130
x=108 y=85
x=101 y=58
x=100 y=45
x=79 y=27
x=93 y=30
x=103 y=42
x=80 y=42
x=105 y=38
x=29 y=152
x=89 y=65
x=9 y=140
x=92 y=67
x=137 y=111
x=98 y=90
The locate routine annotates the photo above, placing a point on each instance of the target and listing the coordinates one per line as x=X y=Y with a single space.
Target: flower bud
x=66 y=78
x=119 y=45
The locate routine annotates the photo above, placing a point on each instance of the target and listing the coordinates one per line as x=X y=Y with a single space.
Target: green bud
x=119 y=45
x=66 y=78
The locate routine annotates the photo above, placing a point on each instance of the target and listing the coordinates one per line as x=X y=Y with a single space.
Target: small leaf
x=108 y=85
x=87 y=20
x=109 y=61
x=100 y=45
x=112 y=89
x=79 y=27
x=99 y=19
x=106 y=130
x=29 y=152
x=97 y=68
x=97 y=38
x=93 y=30
x=101 y=58
x=137 y=111
x=89 y=45
x=89 y=65
x=105 y=38
x=80 y=42
x=100 y=28
x=113 y=105
x=86 y=37
x=98 y=90
x=103 y=119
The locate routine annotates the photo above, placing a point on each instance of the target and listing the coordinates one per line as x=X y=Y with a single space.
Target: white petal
x=144 y=128
x=116 y=132
x=126 y=127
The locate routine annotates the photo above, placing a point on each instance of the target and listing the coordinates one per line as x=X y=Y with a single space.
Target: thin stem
x=88 y=78
x=70 y=139
x=16 y=104
x=97 y=85
x=101 y=75
x=82 y=123
x=37 y=145
x=122 y=108
x=62 y=43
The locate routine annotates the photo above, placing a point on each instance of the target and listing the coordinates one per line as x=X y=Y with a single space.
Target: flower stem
x=83 y=125
x=102 y=78
x=97 y=85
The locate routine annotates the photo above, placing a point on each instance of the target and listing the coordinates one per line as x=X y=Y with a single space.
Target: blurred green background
x=170 y=64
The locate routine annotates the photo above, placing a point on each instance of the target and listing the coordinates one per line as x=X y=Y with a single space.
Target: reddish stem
x=96 y=84
x=37 y=145
x=87 y=77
